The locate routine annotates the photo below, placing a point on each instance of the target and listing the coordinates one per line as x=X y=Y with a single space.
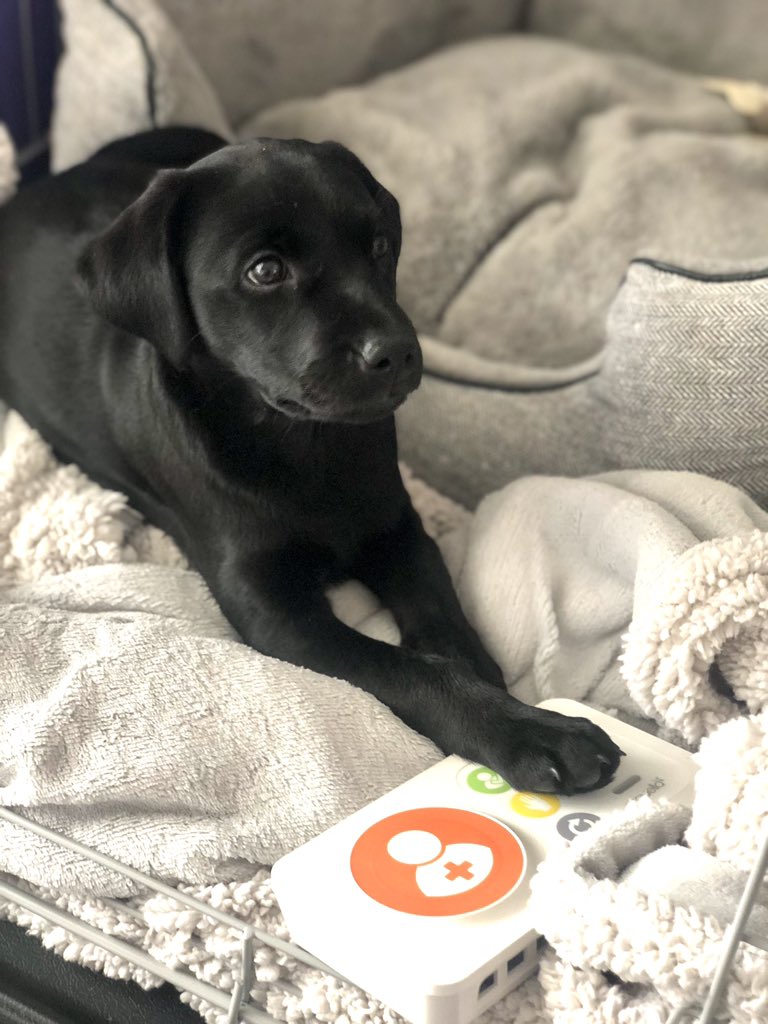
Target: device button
x=483 y=780
x=534 y=805
x=438 y=861
x=572 y=825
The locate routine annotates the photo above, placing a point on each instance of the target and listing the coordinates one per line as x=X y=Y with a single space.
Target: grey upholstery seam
x=700 y=275
x=150 y=62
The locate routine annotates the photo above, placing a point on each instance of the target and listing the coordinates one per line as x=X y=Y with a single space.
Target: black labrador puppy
x=213 y=330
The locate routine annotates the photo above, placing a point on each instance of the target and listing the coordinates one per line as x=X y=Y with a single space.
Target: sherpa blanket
x=97 y=591
x=651 y=892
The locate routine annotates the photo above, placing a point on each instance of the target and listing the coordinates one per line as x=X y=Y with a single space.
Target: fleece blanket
x=242 y=758
x=126 y=627
x=593 y=594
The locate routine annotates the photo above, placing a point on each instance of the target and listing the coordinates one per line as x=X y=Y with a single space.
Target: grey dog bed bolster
x=682 y=384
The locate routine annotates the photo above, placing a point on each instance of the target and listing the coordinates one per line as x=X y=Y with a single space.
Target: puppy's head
x=278 y=257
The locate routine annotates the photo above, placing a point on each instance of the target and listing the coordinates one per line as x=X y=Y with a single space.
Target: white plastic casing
x=454 y=849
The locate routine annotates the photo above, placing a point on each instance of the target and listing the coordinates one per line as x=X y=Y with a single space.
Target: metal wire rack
x=237 y=1004
x=731 y=941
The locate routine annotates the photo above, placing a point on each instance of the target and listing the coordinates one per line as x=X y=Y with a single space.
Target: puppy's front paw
x=546 y=752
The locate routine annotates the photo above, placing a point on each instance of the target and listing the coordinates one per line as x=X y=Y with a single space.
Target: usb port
x=487 y=983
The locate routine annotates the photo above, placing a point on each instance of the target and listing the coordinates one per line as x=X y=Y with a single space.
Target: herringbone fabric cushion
x=683 y=385
x=685 y=379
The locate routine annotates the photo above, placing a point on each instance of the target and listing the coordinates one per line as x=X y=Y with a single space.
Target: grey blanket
x=530 y=172
x=131 y=717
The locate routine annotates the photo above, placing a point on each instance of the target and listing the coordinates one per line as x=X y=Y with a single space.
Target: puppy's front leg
x=272 y=601
x=405 y=569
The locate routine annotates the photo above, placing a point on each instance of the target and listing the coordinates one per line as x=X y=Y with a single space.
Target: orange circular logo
x=438 y=861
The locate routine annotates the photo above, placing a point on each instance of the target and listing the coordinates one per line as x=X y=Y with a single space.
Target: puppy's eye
x=380 y=247
x=267 y=270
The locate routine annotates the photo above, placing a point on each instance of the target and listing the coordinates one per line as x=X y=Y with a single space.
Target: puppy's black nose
x=381 y=355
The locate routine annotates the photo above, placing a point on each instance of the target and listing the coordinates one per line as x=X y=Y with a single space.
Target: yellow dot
x=534 y=805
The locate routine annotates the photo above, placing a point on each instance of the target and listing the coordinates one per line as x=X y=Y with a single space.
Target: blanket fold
x=621 y=590
x=135 y=721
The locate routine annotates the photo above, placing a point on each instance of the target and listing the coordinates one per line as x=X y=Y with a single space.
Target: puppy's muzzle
x=391 y=360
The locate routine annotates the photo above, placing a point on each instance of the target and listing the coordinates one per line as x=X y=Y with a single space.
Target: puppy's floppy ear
x=132 y=273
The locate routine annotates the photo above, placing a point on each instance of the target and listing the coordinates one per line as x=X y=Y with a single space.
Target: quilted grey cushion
x=123 y=70
x=257 y=52
x=707 y=37
x=132 y=64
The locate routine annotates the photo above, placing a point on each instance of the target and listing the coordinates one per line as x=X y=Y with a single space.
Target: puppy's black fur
x=213 y=330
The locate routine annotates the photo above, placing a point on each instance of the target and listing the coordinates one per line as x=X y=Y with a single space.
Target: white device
x=421 y=898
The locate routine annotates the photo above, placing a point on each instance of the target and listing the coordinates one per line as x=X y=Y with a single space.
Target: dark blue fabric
x=29 y=47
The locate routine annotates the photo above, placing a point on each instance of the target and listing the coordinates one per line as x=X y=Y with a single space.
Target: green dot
x=483 y=780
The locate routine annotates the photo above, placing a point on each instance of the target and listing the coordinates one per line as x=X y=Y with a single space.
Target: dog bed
x=704 y=598
x=531 y=172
